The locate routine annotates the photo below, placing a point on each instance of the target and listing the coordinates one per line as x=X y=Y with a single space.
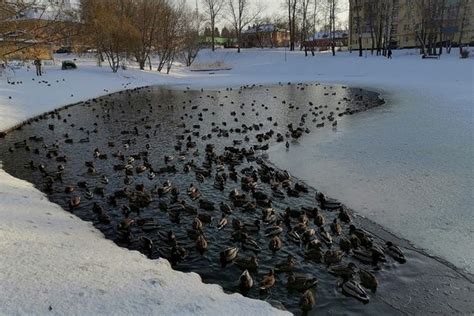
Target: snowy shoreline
x=19 y=192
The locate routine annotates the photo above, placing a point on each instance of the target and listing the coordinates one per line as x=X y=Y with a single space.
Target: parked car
x=64 y=50
x=68 y=64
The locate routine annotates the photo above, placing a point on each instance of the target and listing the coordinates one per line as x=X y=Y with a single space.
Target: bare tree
x=145 y=19
x=242 y=14
x=26 y=25
x=304 y=21
x=332 y=4
x=109 y=27
x=191 y=24
x=291 y=6
x=464 y=13
x=212 y=9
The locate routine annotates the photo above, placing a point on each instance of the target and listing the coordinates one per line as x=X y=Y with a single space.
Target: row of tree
x=433 y=23
x=121 y=30
x=138 y=29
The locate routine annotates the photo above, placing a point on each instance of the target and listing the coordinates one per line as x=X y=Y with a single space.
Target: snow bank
x=49 y=257
x=52 y=259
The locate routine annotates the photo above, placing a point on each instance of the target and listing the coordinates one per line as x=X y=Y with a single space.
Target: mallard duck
x=245 y=282
x=197 y=224
x=395 y=252
x=345 y=244
x=319 y=219
x=250 y=244
x=252 y=227
x=368 y=280
x=225 y=208
x=74 y=202
x=69 y=189
x=275 y=244
x=222 y=222
x=147 y=245
x=201 y=243
x=273 y=231
x=149 y=225
x=366 y=256
x=228 y=255
x=268 y=281
x=287 y=265
x=250 y=263
x=314 y=254
x=346 y=272
x=333 y=256
x=354 y=289
x=336 y=227
x=294 y=237
x=300 y=283
x=325 y=237
x=307 y=301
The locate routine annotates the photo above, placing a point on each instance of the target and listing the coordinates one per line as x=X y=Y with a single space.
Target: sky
x=277 y=8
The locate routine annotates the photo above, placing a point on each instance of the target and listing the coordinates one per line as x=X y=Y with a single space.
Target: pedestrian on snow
x=38 y=67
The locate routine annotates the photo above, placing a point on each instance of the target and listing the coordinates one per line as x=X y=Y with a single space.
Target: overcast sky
x=276 y=7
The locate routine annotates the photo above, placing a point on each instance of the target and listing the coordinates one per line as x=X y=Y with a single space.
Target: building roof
x=262 y=28
x=327 y=35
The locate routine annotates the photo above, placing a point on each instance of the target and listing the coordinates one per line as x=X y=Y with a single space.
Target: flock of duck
x=204 y=189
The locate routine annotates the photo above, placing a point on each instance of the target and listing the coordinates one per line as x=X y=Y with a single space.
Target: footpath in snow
x=51 y=258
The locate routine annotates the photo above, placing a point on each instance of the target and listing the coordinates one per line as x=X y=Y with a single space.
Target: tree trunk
x=213 y=30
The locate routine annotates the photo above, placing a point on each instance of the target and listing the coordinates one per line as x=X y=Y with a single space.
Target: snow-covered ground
x=407 y=165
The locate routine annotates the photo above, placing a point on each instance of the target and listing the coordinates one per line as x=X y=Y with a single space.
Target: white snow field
x=407 y=165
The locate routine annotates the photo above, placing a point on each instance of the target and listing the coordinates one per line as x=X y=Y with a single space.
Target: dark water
x=148 y=123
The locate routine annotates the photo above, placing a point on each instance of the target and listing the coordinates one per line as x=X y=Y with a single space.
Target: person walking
x=389 y=54
x=38 y=67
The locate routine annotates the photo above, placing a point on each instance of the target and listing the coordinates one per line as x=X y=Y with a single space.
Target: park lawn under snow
x=52 y=258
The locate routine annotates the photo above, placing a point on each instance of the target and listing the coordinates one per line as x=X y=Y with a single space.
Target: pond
x=126 y=162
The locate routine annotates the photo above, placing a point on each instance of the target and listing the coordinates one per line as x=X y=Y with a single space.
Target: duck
x=365 y=256
x=325 y=237
x=249 y=243
x=314 y=254
x=250 y=263
x=287 y=265
x=345 y=244
x=354 y=289
x=300 y=283
x=344 y=216
x=228 y=255
x=197 y=224
x=319 y=219
x=268 y=281
x=274 y=230
x=74 y=202
x=294 y=237
x=346 y=272
x=225 y=208
x=222 y=222
x=333 y=256
x=362 y=234
x=147 y=245
x=336 y=228
x=368 y=280
x=149 y=225
x=307 y=302
x=69 y=189
x=395 y=252
x=201 y=244
x=245 y=282
x=275 y=244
